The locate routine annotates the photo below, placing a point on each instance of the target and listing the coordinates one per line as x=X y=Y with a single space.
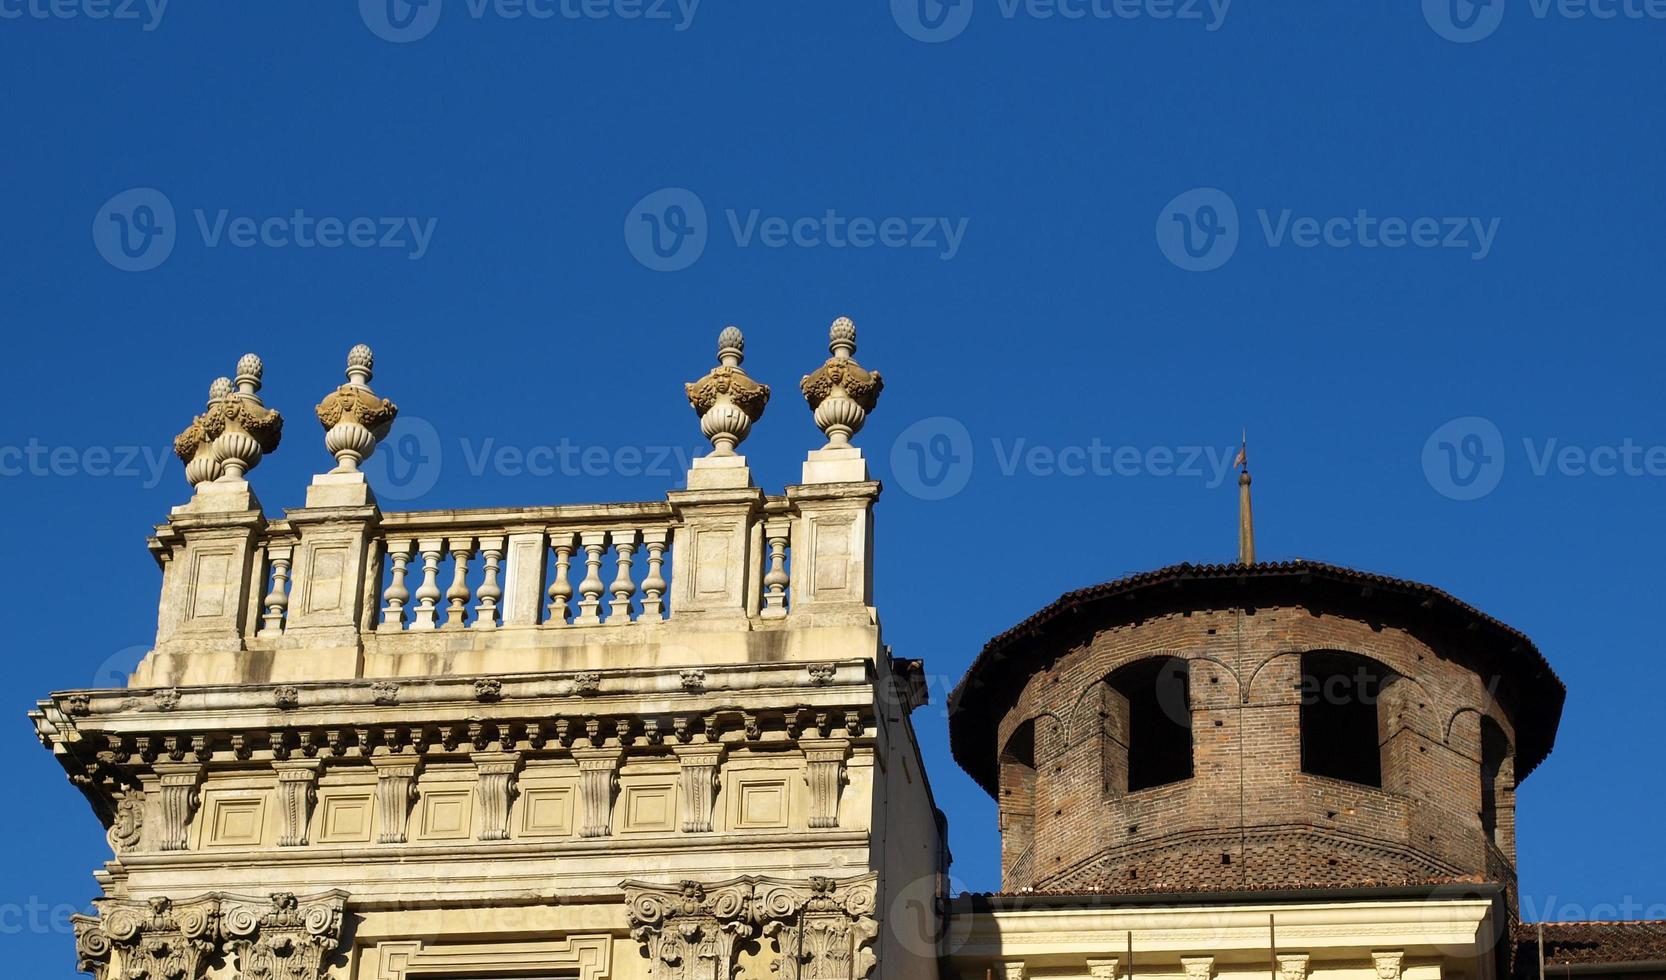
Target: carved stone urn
x=841 y=392
x=354 y=418
x=727 y=400
x=242 y=427
x=195 y=447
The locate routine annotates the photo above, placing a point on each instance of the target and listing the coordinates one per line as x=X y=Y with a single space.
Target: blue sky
x=1414 y=251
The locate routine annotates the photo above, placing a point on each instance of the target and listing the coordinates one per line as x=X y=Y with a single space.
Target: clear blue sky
x=1067 y=291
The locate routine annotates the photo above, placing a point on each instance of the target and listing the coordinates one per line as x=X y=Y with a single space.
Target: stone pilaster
x=153 y=939
x=282 y=935
x=832 y=551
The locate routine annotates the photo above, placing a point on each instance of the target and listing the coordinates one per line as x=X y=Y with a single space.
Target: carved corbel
x=180 y=783
x=1103 y=969
x=824 y=761
x=396 y=778
x=1292 y=966
x=1198 y=967
x=498 y=772
x=598 y=780
x=698 y=780
x=282 y=935
x=297 y=794
x=1388 y=963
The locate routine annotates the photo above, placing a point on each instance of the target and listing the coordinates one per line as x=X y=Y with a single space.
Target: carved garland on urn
x=822 y=928
x=279 y=937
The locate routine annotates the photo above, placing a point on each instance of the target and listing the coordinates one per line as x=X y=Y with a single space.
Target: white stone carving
x=598 y=781
x=396 y=790
x=1388 y=963
x=282 y=936
x=498 y=774
x=824 y=761
x=698 y=782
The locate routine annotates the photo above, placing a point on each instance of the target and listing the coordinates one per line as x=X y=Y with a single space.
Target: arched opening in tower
x=1149 y=704
x=1340 y=730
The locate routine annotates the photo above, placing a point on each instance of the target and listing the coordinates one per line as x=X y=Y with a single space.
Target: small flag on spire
x=1241 y=461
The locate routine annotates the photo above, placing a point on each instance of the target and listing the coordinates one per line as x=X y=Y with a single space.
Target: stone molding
x=586 y=955
x=822 y=928
x=279 y=936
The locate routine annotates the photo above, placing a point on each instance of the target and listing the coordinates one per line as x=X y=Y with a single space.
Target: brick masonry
x=1249 y=817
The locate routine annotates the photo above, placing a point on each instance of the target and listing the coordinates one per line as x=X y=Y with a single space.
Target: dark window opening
x=1159 y=721
x=1340 y=734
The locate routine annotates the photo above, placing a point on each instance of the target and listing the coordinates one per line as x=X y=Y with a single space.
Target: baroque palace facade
x=666 y=740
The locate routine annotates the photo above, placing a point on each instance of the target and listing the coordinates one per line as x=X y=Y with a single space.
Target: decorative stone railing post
x=331 y=601
x=832 y=541
x=209 y=550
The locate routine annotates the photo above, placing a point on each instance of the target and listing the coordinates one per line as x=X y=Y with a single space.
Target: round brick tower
x=1255 y=725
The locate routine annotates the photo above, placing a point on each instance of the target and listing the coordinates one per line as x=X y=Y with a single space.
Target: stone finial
x=727 y=400
x=242 y=427
x=841 y=392
x=195 y=447
x=354 y=418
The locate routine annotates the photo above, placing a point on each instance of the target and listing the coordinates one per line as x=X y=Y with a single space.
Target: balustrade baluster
x=561 y=589
x=777 y=579
x=428 y=593
x=653 y=586
x=624 y=585
x=485 y=614
x=396 y=595
x=277 y=601
x=457 y=596
x=590 y=590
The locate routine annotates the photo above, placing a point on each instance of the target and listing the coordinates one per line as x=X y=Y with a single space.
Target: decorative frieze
x=822 y=928
x=698 y=780
x=498 y=774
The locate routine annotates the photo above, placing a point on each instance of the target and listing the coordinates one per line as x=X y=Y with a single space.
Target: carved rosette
x=726 y=399
x=282 y=937
x=823 y=928
x=841 y=392
x=354 y=418
x=195 y=446
x=243 y=428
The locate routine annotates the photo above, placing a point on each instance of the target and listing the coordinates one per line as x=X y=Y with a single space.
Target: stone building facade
x=665 y=740
x=652 y=739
